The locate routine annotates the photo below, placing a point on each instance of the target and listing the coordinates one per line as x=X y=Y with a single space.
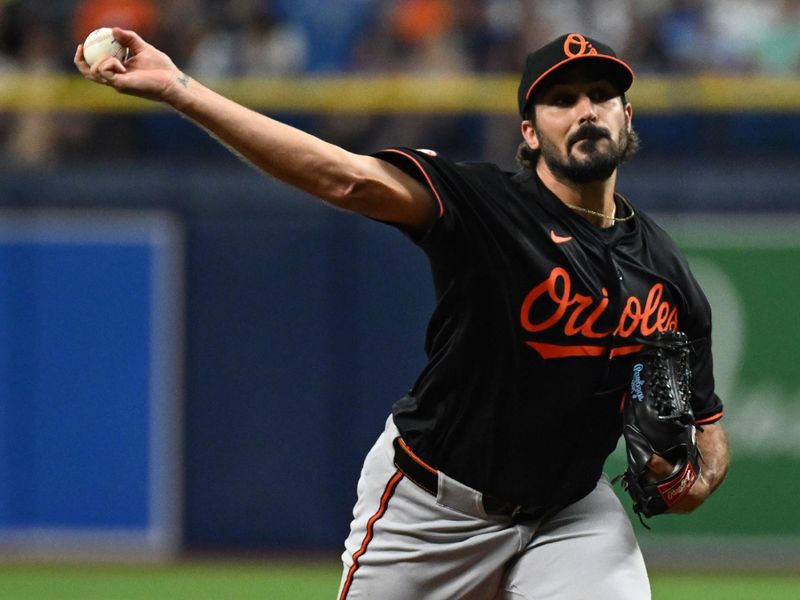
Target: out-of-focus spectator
x=684 y=37
x=9 y=35
x=412 y=36
x=330 y=28
x=180 y=26
x=414 y=21
x=610 y=20
x=778 y=49
x=35 y=43
x=139 y=15
x=735 y=27
x=428 y=36
x=248 y=37
x=493 y=31
x=34 y=136
x=644 y=49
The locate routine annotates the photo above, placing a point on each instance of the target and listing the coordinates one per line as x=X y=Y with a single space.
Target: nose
x=586 y=109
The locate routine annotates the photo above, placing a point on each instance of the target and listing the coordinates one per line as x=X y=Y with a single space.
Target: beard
x=596 y=164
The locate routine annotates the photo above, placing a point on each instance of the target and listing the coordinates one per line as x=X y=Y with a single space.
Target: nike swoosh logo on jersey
x=559 y=239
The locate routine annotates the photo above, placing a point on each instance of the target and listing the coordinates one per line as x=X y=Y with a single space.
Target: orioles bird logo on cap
x=577 y=40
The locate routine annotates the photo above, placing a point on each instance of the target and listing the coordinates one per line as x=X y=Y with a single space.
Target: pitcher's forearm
x=291 y=155
x=713 y=445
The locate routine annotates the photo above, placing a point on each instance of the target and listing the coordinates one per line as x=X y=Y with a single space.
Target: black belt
x=427 y=478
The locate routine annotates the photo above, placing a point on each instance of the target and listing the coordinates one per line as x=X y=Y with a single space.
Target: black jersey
x=538 y=320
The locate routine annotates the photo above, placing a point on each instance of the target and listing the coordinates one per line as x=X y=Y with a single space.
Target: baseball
x=101 y=44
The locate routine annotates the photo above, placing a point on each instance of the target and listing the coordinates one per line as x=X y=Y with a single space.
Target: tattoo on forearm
x=183 y=80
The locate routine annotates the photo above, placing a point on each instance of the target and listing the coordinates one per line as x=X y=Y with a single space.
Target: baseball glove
x=658 y=419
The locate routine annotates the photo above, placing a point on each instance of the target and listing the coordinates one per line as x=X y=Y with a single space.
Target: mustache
x=588 y=131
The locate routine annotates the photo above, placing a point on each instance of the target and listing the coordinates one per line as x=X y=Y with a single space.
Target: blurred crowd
x=295 y=37
x=265 y=37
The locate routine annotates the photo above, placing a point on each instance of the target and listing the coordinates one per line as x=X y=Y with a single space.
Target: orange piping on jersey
x=416 y=458
x=707 y=420
x=556 y=351
x=387 y=494
x=425 y=173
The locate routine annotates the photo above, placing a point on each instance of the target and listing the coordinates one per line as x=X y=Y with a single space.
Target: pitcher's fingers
x=80 y=61
x=130 y=39
x=108 y=67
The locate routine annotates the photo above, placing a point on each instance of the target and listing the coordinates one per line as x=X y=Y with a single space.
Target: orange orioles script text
x=578 y=314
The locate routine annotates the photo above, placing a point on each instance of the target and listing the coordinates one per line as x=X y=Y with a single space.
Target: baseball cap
x=564 y=50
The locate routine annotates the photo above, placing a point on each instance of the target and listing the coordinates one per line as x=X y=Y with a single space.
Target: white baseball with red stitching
x=100 y=44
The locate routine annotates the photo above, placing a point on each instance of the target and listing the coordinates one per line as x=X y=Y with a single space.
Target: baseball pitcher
x=566 y=320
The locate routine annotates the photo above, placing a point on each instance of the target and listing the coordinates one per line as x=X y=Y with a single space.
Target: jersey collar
x=533 y=187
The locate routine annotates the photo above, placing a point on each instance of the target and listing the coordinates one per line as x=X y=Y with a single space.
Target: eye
x=603 y=94
x=563 y=99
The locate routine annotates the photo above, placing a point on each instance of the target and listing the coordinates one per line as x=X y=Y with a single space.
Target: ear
x=629 y=117
x=529 y=134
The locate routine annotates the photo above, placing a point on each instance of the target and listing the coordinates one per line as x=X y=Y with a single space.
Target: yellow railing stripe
x=454 y=94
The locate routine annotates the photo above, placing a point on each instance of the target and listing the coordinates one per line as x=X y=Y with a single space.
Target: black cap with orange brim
x=565 y=50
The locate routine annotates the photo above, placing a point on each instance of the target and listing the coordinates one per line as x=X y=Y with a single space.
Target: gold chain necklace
x=613 y=217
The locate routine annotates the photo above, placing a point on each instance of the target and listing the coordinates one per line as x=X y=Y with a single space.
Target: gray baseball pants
x=406 y=544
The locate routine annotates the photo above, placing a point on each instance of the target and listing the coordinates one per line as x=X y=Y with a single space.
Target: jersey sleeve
x=458 y=190
x=706 y=405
